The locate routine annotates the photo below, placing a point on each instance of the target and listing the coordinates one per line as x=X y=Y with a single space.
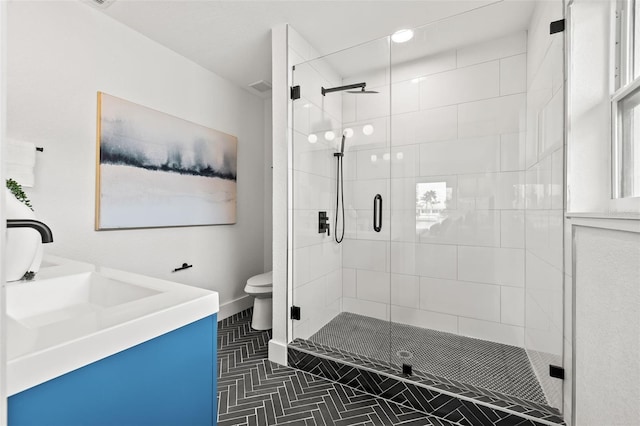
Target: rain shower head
x=348 y=88
x=361 y=91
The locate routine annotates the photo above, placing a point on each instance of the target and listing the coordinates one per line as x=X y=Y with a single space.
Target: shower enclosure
x=451 y=179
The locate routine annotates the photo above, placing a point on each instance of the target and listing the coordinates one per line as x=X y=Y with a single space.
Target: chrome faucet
x=44 y=230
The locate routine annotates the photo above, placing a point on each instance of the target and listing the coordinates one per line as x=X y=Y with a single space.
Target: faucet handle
x=323 y=223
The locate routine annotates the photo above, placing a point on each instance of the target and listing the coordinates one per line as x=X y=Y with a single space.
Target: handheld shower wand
x=341 y=153
x=339 y=191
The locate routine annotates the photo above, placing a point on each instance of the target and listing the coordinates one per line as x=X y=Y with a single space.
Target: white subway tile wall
x=493 y=331
x=512 y=306
x=424 y=319
x=501 y=266
x=513 y=75
x=495 y=49
x=466 y=84
x=405 y=291
x=373 y=286
x=456 y=261
x=437 y=124
x=461 y=298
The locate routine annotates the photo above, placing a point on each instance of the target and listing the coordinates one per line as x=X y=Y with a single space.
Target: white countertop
x=51 y=343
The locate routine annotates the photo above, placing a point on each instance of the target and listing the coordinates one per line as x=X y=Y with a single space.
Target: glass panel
x=477 y=200
x=464 y=279
x=340 y=163
x=629 y=145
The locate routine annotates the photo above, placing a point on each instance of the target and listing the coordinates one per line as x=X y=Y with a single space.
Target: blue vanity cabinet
x=169 y=380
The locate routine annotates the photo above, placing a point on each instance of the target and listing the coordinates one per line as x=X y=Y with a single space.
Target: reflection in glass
x=431 y=204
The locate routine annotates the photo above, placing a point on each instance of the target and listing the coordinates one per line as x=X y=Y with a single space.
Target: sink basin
x=39 y=303
x=73 y=314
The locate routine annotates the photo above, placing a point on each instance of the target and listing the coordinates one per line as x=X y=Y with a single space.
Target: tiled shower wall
x=455 y=262
x=317 y=259
x=545 y=199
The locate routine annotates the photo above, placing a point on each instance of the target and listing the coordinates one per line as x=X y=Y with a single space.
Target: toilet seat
x=260 y=284
x=261 y=288
x=264 y=289
x=261 y=280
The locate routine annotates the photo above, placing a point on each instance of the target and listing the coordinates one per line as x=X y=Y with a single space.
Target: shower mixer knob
x=323 y=223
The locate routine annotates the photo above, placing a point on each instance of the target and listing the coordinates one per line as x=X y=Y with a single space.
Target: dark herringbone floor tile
x=254 y=391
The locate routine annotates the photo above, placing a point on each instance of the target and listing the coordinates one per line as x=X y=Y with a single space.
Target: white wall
x=281 y=229
x=607 y=324
x=268 y=185
x=60 y=54
x=544 y=214
x=457 y=120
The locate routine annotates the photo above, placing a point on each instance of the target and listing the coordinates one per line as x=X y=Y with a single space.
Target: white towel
x=21 y=162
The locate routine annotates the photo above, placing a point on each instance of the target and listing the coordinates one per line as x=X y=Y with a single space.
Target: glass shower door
x=474 y=225
x=317 y=259
x=341 y=164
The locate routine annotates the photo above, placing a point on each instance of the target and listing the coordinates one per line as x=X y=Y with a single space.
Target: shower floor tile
x=489 y=365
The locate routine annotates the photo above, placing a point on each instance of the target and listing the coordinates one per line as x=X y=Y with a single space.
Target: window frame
x=623 y=84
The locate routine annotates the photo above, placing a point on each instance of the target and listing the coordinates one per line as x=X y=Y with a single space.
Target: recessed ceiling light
x=312 y=138
x=329 y=135
x=367 y=129
x=348 y=132
x=401 y=36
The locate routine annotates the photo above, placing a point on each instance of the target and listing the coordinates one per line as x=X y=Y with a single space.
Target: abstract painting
x=157 y=170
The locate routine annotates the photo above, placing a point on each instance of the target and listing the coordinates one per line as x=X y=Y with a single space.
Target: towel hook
x=184 y=266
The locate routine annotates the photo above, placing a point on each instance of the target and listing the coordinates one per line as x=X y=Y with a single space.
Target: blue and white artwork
x=157 y=170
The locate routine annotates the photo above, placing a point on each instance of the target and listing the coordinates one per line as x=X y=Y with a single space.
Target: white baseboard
x=231 y=308
x=277 y=352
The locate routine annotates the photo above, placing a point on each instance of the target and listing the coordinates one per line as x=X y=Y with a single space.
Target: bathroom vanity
x=92 y=345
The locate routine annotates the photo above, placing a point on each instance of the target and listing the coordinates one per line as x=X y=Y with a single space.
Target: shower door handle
x=377 y=213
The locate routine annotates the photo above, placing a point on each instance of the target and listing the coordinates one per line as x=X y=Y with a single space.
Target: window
x=625 y=101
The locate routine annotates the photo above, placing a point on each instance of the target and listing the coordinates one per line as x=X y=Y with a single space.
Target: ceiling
x=233 y=38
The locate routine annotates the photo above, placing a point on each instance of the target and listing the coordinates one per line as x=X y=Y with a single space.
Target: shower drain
x=402 y=354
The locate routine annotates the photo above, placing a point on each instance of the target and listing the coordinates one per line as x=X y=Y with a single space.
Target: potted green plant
x=23 y=246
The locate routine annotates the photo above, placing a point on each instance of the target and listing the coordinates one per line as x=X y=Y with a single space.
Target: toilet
x=261 y=287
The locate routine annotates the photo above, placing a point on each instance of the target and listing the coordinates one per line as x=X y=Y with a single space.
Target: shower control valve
x=323 y=223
